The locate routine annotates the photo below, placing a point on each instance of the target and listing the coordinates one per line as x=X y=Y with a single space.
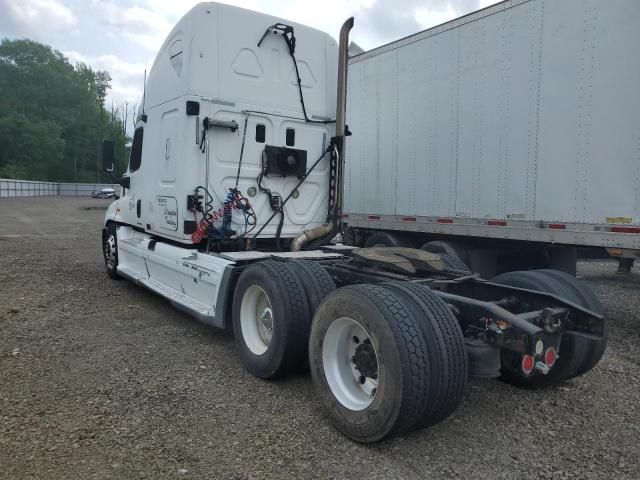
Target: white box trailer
x=519 y=122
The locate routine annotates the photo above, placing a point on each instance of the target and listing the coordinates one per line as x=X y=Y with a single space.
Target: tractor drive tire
x=577 y=355
x=271 y=319
x=316 y=281
x=317 y=284
x=369 y=362
x=448 y=361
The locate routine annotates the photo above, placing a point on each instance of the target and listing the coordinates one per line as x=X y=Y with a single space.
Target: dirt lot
x=102 y=379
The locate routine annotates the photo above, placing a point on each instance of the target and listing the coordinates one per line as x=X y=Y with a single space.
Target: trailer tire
x=385 y=239
x=110 y=251
x=397 y=356
x=453 y=264
x=578 y=355
x=271 y=319
x=448 y=362
x=448 y=248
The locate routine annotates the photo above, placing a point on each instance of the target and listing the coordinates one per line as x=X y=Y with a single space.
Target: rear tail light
x=550 y=357
x=528 y=363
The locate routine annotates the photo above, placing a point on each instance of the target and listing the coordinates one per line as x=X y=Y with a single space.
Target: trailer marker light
x=557 y=226
x=527 y=364
x=409 y=219
x=625 y=229
x=374 y=217
x=550 y=357
x=445 y=220
x=497 y=223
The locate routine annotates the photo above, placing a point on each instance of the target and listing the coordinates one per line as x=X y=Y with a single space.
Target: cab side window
x=136 y=150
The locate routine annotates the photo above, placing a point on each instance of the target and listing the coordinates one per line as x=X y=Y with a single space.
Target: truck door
x=165 y=204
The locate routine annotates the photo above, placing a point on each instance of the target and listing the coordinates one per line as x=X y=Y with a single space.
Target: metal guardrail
x=30 y=188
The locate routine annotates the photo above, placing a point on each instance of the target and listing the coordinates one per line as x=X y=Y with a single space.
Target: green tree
x=52 y=115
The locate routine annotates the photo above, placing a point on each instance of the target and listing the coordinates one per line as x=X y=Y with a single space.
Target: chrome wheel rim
x=256 y=320
x=350 y=364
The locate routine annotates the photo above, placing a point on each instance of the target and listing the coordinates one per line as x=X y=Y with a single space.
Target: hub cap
x=256 y=320
x=350 y=364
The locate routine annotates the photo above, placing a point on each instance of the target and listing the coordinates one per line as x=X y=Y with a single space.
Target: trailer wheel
x=578 y=355
x=271 y=319
x=385 y=239
x=110 y=251
x=369 y=362
x=448 y=362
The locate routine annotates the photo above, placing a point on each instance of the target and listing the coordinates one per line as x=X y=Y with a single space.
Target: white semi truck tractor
x=233 y=192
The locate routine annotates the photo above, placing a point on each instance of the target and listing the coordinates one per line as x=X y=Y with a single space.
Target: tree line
x=53 y=116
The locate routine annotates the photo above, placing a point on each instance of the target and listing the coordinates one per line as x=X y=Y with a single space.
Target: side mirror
x=108 y=155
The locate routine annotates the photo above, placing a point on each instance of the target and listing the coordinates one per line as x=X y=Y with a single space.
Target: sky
x=123 y=36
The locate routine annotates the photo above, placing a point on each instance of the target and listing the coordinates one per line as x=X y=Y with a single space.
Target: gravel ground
x=102 y=379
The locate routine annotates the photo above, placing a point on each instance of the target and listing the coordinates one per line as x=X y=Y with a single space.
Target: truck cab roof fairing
x=209 y=54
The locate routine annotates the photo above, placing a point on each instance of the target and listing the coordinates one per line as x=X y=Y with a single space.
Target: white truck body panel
x=196 y=282
x=526 y=112
x=211 y=57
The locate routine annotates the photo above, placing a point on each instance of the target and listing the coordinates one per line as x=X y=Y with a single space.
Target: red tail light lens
x=550 y=357
x=527 y=364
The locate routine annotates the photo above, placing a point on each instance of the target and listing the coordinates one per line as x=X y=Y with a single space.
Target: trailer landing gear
x=625 y=265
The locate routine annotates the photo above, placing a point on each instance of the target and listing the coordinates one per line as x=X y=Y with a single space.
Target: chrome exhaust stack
x=341 y=115
x=329 y=230
x=343 y=66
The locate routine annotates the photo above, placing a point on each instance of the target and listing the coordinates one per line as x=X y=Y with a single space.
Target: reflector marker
x=625 y=229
